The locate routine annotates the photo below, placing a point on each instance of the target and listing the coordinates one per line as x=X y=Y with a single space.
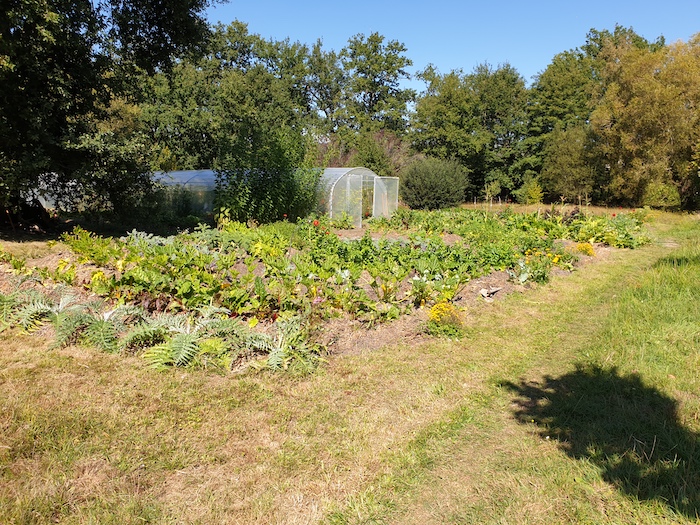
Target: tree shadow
x=631 y=431
x=678 y=261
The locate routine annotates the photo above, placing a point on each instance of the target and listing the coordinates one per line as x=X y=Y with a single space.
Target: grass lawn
x=577 y=401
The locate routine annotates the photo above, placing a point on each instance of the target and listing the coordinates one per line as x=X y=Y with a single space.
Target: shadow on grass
x=629 y=430
x=678 y=261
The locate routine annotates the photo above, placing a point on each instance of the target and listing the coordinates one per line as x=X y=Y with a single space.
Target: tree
x=62 y=63
x=569 y=171
x=561 y=94
x=561 y=102
x=647 y=122
x=501 y=103
x=217 y=111
x=445 y=124
x=150 y=33
x=240 y=109
x=51 y=81
x=478 y=119
x=374 y=70
x=325 y=84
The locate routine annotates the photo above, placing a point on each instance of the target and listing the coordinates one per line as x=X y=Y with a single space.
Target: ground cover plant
x=573 y=402
x=194 y=298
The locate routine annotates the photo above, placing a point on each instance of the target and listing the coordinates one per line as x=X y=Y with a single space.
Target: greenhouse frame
x=357 y=193
x=343 y=192
x=199 y=184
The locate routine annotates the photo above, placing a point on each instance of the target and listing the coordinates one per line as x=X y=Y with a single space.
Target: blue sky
x=461 y=35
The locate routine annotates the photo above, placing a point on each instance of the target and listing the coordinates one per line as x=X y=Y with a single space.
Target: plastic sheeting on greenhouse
x=200 y=186
x=353 y=192
x=357 y=193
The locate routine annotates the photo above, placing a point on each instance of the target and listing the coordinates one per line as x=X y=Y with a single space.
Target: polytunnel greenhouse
x=196 y=187
x=352 y=192
x=357 y=193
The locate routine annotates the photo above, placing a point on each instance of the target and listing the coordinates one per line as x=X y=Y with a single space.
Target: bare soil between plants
x=348 y=336
x=341 y=335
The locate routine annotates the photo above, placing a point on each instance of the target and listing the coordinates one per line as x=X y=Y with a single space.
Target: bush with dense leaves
x=431 y=184
x=268 y=195
x=662 y=195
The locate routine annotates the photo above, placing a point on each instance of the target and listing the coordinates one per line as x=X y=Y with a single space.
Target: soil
x=345 y=335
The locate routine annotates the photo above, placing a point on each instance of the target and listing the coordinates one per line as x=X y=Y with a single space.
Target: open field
x=571 y=401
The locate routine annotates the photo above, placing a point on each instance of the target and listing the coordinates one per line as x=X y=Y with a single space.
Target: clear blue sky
x=461 y=35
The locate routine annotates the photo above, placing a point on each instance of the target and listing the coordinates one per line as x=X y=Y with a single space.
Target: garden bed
x=241 y=294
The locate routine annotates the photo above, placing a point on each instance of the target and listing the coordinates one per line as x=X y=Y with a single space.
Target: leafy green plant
x=291 y=349
x=35 y=309
x=94 y=324
x=100 y=250
x=530 y=192
x=431 y=184
x=618 y=230
x=261 y=273
x=267 y=195
x=208 y=338
x=8 y=304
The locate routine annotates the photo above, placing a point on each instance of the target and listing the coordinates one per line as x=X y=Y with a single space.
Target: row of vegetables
x=205 y=291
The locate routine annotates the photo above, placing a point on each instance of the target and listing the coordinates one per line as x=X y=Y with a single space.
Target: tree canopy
x=98 y=95
x=61 y=64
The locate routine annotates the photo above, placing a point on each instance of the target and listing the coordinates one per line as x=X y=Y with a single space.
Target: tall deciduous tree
x=446 y=122
x=374 y=96
x=51 y=81
x=571 y=171
x=560 y=105
x=561 y=94
x=57 y=72
x=243 y=109
x=478 y=119
x=325 y=83
x=219 y=110
x=647 y=120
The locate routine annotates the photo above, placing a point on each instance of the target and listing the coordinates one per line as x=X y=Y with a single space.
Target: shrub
x=662 y=195
x=268 y=195
x=430 y=184
x=530 y=192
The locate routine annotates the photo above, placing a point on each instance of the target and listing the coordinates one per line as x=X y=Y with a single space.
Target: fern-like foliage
x=213 y=353
x=257 y=343
x=91 y=324
x=180 y=350
x=68 y=325
x=142 y=335
x=32 y=314
x=211 y=312
x=102 y=334
x=292 y=350
x=125 y=315
x=158 y=357
x=8 y=305
x=226 y=328
x=184 y=348
x=153 y=331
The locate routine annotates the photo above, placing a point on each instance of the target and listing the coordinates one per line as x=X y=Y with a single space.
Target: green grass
x=605 y=400
x=574 y=402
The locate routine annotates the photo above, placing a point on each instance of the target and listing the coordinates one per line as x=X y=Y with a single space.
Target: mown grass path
x=573 y=414
x=574 y=402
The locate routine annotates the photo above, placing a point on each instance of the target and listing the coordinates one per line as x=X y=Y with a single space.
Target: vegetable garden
x=220 y=297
